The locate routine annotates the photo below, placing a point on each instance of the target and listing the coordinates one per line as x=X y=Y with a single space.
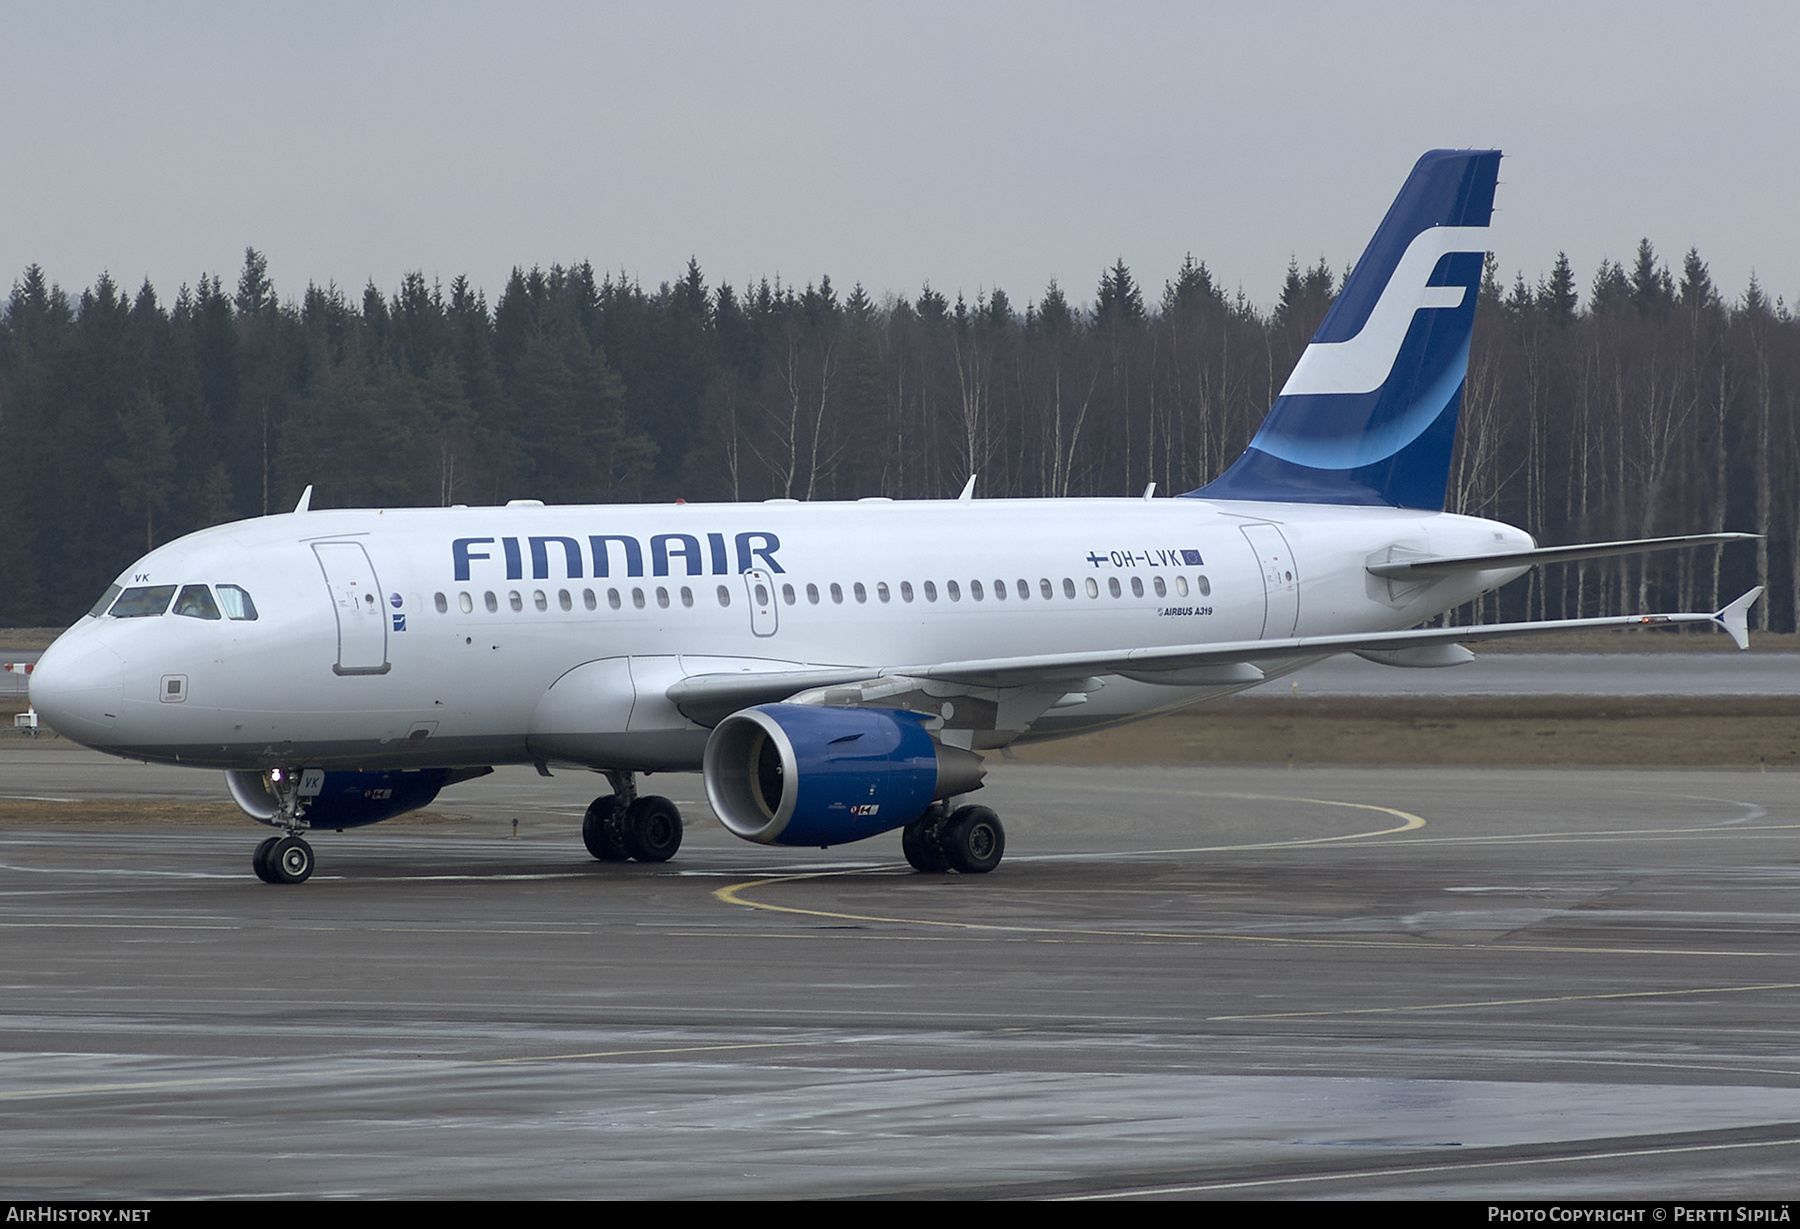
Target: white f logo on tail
x=1362 y=363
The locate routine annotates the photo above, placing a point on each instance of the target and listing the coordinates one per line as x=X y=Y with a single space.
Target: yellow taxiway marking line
x=309 y=929
x=76 y=1090
x=1353 y=1175
x=1408 y=823
x=1195 y=938
x=139 y=1086
x=556 y=1058
x=1474 y=1003
x=733 y=895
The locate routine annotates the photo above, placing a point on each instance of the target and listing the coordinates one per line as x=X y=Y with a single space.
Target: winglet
x=1735 y=618
x=305 y=499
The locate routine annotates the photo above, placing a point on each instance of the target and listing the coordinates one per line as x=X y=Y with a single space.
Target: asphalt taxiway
x=1184 y=982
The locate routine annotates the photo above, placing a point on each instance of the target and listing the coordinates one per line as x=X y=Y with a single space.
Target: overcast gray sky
x=965 y=145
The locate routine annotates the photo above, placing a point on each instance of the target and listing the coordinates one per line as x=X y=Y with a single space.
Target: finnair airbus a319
x=834 y=669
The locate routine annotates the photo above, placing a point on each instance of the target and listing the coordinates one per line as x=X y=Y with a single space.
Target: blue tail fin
x=1369 y=414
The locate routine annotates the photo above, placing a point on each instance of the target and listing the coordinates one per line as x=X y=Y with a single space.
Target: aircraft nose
x=77 y=690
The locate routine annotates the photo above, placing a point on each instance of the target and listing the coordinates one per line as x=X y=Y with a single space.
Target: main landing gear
x=286 y=858
x=968 y=839
x=622 y=825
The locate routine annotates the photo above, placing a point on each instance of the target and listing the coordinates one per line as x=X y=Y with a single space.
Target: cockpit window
x=142 y=602
x=196 y=603
x=106 y=599
x=237 y=603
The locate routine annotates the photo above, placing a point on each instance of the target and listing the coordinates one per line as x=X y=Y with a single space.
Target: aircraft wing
x=714 y=696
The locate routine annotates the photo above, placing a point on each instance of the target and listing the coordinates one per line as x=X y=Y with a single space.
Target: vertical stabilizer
x=1369 y=414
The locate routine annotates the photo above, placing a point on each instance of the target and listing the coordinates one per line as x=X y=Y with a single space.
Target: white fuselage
x=420 y=637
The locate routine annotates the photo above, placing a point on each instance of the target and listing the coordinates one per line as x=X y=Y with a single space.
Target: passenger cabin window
x=812 y=594
x=1112 y=585
x=930 y=591
x=687 y=597
x=238 y=606
x=1181 y=586
x=1137 y=586
x=862 y=594
x=787 y=594
x=906 y=594
x=564 y=600
x=724 y=596
x=975 y=589
x=441 y=602
x=1045 y=588
x=1205 y=586
x=587 y=599
x=881 y=591
x=196 y=602
x=1162 y=590
x=493 y=603
x=1093 y=587
x=465 y=603
x=539 y=600
x=142 y=602
x=1069 y=587
x=837 y=593
x=951 y=589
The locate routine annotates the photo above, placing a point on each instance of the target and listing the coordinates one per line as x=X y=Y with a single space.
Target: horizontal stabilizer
x=1399 y=569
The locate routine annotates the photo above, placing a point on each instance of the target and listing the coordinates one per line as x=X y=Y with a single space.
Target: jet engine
x=348 y=799
x=803 y=774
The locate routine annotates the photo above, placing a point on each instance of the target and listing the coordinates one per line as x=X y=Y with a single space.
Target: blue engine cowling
x=348 y=799
x=802 y=774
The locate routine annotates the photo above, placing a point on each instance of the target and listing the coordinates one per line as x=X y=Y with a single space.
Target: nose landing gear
x=283 y=859
x=286 y=858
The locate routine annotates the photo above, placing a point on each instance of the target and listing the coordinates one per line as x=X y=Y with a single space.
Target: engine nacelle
x=347 y=799
x=803 y=774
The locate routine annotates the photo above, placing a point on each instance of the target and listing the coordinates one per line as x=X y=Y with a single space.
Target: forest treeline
x=1652 y=404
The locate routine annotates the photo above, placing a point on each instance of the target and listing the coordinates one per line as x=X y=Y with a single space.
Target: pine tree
x=1118 y=301
x=1558 y=296
x=1652 y=291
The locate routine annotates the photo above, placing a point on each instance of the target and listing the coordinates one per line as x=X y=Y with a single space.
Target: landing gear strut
x=968 y=839
x=286 y=858
x=622 y=825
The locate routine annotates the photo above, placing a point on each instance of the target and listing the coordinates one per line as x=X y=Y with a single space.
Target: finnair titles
x=835 y=670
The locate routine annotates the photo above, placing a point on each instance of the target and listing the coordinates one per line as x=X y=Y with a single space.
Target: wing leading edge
x=714 y=696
